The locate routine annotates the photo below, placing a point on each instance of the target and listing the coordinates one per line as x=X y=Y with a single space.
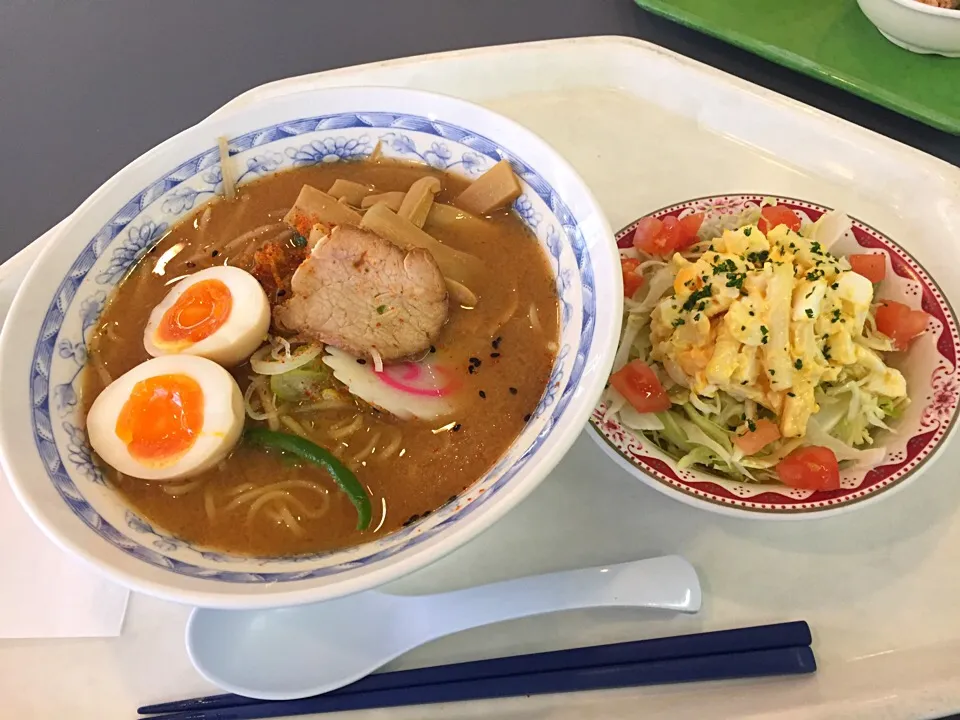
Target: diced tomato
x=872 y=267
x=670 y=235
x=764 y=433
x=631 y=280
x=639 y=385
x=810 y=468
x=647 y=236
x=689 y=227
x=667 y=236
x=773 y=215
x=657 y=237
x=900 y=323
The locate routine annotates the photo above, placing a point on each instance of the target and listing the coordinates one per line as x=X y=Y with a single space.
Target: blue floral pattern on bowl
x=60 y=352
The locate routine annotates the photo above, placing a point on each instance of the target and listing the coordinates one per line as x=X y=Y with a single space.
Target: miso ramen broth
x=256 y=501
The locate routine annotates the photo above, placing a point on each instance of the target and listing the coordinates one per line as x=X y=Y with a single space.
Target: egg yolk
x=198 y=313
x=161 y=418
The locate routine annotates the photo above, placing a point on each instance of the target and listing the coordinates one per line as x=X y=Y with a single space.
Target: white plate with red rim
x=930 y=367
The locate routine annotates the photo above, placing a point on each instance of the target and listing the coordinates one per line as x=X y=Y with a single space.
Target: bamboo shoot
x=498 y=187
x=352 y=192
x=392 y=200
x=416 y=203
x=314 y=206
x=456 y=265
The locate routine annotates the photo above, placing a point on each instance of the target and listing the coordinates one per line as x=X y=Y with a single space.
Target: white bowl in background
x=916 y=26
x=43 y=446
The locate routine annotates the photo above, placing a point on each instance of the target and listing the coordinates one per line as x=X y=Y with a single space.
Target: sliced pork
x=367 y=296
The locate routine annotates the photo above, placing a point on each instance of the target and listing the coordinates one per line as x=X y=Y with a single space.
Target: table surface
x=126 y=74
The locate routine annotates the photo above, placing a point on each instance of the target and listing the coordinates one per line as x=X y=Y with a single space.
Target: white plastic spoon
x=297 y=652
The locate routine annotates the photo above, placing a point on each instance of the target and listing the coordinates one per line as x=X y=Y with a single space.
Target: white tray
x=646 y=128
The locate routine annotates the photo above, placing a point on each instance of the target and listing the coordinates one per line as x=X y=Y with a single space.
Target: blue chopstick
x=726 y=666
x=763 y=637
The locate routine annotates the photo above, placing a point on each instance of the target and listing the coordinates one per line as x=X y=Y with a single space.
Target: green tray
x=833 y=41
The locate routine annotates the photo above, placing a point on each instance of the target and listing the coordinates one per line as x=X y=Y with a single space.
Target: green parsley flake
x=727 y=266
x=697 y=296
x=809 y=312
x=736 y=279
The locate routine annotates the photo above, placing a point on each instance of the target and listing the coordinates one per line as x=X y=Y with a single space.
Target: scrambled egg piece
x=767 y=318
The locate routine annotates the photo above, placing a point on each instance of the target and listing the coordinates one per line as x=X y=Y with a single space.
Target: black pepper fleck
x=526 y=418
x=496 y=343
x=513 y=391
x=456 y=428
x=361 y=361
x=214 y=253
x=281 y=292
x=433 y=349
x=483 y=394
x=494 y=355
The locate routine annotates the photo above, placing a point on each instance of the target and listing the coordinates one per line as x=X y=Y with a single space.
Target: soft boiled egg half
x=167 y=419
x=220 y=313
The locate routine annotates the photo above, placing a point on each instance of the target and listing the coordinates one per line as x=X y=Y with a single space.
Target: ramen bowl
x=44 y=341
x=930 y=367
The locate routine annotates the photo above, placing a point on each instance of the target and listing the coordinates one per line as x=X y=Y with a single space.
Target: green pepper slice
x=316 y=455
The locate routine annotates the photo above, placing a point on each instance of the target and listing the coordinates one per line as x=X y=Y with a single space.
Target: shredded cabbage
x=639 y=421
